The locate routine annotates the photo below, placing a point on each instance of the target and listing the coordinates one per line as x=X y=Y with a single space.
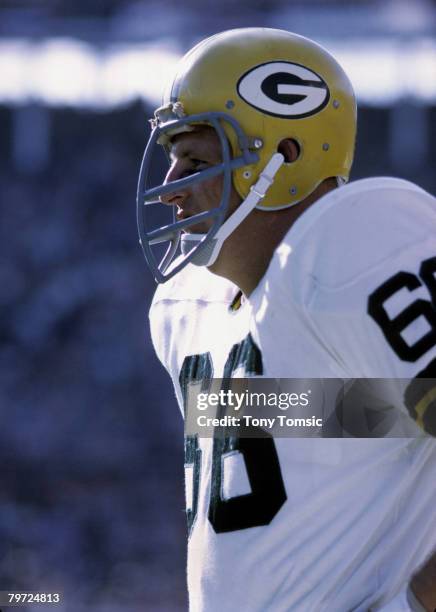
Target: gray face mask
x=195 y=248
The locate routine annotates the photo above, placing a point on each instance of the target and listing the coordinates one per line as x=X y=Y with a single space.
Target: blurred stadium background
x=91 y=476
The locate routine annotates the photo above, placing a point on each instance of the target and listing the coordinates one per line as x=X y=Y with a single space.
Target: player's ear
x=290 y=149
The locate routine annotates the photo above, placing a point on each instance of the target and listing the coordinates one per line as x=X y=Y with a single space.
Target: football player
x=286 y=271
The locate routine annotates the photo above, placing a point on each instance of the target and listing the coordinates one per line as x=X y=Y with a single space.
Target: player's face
x=192 y=152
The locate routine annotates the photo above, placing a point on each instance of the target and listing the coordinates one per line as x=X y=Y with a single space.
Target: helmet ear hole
x=290 y=149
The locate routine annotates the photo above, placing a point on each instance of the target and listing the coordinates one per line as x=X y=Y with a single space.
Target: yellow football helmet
x=257 y=87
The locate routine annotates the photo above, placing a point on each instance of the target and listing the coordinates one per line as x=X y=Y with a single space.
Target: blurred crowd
x=91 y=476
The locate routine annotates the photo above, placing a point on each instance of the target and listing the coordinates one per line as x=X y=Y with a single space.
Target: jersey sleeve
x=374 y=293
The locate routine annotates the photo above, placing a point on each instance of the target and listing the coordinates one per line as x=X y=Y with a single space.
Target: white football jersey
x=312 y=524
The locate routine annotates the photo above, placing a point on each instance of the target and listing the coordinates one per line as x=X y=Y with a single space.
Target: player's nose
x=178 y=195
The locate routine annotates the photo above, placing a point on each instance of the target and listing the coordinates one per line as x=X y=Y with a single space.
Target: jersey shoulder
x=356 y=229
x=195 y=284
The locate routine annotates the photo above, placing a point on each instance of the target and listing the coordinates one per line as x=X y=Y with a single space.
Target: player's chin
x=198 y=228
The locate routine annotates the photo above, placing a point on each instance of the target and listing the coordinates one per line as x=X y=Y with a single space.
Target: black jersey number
x=267 y=495
x=392 y=328
x=262 y=465
x=195 y=369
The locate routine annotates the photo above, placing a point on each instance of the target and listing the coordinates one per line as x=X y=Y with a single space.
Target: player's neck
x=246 y=254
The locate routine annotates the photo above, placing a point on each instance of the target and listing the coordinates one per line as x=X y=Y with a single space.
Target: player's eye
x=199 y=164
x=195 y=165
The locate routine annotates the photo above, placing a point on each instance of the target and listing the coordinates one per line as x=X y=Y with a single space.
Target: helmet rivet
x=230 y=104
x=293 y=190
x=325 y=146
x=336 y=104
x=247 y=174
x=258 y=143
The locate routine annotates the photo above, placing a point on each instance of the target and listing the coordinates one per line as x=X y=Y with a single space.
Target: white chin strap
x=208 y=255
